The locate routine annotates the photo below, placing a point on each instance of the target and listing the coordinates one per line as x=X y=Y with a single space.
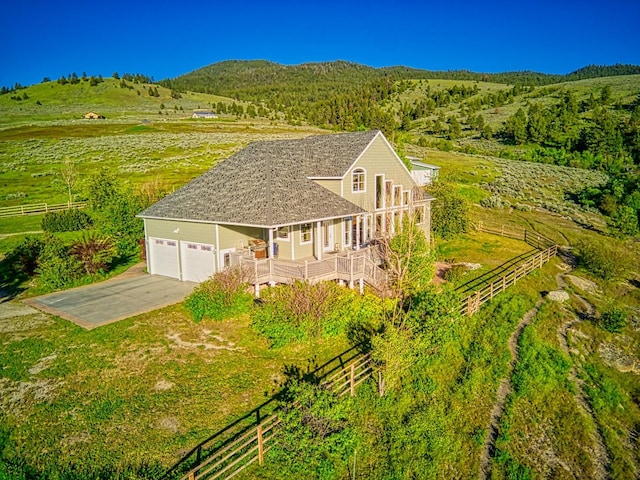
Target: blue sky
x=164 y=39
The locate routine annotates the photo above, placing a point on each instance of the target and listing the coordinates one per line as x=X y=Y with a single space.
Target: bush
x=303 y=311
x=70 y=220
x=56 y=267
x=613 y=319
x=94 y=252
x=222 y=296
x=24 y=257
x=604 y=260
x=455 y=273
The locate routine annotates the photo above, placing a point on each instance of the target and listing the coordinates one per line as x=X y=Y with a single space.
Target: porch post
x=319 y=240
x=359 y=219
x=271 y=243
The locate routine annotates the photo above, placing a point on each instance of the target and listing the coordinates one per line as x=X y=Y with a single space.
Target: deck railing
x=350 y=267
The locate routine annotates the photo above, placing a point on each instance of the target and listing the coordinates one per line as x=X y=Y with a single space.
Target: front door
x=328 y=240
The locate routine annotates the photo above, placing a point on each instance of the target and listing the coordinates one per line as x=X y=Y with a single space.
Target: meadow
x=147 y=389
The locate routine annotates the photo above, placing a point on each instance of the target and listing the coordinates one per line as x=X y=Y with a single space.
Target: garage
x=163 y=257
x=197 y=261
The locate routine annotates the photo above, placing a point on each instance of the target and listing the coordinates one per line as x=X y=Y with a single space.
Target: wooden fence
x=37 y=208
x=222 y=457
x=547 y=250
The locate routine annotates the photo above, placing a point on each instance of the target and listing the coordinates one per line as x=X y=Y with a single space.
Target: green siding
x=232 y=236
x=187 y=231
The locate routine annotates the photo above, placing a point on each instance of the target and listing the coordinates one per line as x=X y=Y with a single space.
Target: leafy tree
x=515 y=128
x=116 y=76
x=450 y=211
x=454 y=128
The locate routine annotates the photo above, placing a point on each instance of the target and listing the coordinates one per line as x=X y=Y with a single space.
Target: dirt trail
x=600 y=456
x=503 y=391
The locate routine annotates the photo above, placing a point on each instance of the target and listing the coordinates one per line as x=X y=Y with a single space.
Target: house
x=423 y=173
x=287 y=209
x=93 y=116
x=203 y=114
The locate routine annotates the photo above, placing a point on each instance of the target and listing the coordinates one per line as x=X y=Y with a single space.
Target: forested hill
x=253 y=78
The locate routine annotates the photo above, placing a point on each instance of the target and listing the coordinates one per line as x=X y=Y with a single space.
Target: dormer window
x=358 y=180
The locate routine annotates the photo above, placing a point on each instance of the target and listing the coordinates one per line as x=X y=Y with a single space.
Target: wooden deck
x=351 y=267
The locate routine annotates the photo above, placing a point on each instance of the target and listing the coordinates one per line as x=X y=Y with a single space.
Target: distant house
x=423 y=173
x=93 y=116
x=287 y=209
x=203 y=114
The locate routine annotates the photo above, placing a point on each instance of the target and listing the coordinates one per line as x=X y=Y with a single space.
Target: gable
x=378 y=158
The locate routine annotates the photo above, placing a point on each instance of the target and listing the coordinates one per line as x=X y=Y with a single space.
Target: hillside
x=252 y=77
x=115 y=99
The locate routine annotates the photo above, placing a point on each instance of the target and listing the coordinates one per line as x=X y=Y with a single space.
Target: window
x=405 y=197
x=419 y=213
x=358 y=180
x=283 y=233
x=347 y=231
x=397 y=195
x=305 y=233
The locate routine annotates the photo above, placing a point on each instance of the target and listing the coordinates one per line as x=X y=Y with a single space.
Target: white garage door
x=163 y=257
x=197 y=261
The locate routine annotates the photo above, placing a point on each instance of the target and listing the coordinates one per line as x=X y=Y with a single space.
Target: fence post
x=352 y=379
x=192 y=476
x=469 y=305
x=492 y=290
x=260 y=446
x=380 y=384
x=477 y=301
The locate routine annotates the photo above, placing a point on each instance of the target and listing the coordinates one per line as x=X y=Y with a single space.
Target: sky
x=50 y=38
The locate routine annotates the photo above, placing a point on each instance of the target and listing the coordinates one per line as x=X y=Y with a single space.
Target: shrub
x=302 y=311
x=24 y=257
x=222 y=296
x=70 y=220
x=613 y=319
x=604 y=260
x=56 y=268
x=94 y=252
x=455 y=273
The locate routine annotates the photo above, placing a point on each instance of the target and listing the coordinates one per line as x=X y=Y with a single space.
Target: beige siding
x=232 y=236
x=378 y=159
x=332 y=185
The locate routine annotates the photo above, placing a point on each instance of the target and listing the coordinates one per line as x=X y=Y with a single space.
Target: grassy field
x=110 y=395
x=171 y=153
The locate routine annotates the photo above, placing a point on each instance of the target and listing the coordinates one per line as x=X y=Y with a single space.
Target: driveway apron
x=116 y=299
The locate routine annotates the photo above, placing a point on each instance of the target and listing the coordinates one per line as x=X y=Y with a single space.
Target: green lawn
x=146 y=388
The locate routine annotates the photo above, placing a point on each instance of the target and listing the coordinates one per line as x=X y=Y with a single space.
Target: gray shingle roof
x=266 y=184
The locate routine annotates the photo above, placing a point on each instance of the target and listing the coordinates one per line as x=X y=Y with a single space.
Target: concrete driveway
x=115 y=299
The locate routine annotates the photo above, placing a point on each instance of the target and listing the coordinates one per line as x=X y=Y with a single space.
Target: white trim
x=207 y=222
x=284 y=239
x=217 y=265
x=382 y=194
x=364 y=180
x=306 y=242
x=362 y=153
